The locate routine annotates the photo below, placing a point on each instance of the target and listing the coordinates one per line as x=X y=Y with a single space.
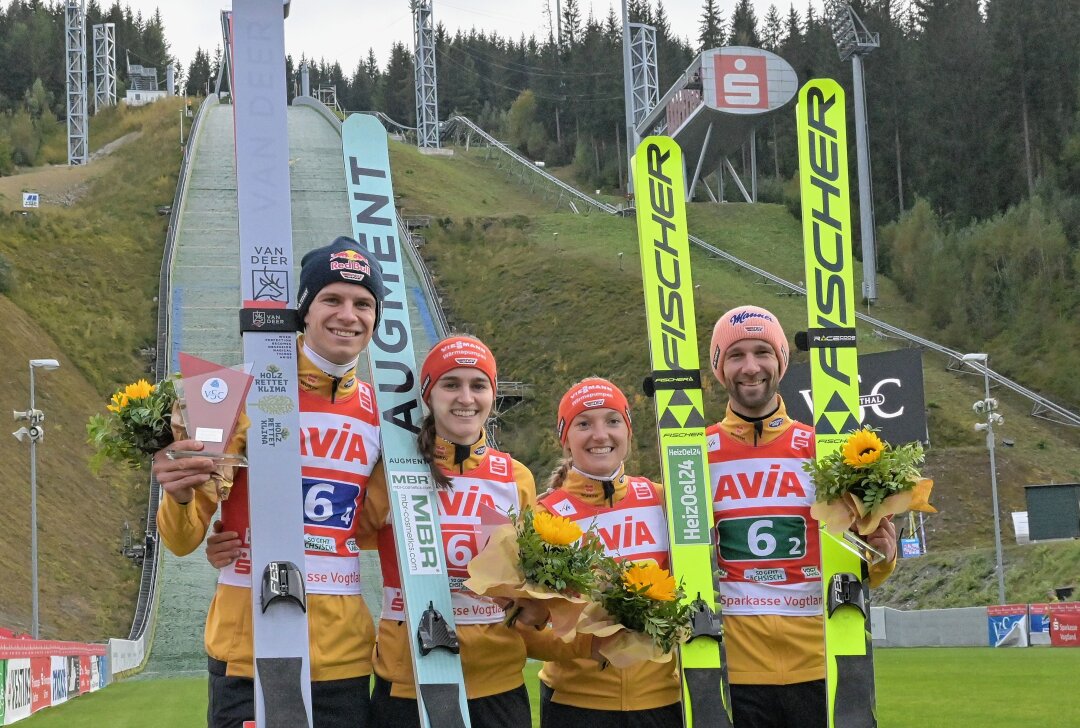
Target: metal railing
x=1042 y=407
x=572 y=192
x=442 y=326
x=144 y=608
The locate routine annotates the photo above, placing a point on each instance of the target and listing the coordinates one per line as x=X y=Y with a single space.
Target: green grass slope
x=85 y=268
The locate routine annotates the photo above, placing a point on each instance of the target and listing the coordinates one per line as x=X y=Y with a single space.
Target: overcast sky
x=343 y=30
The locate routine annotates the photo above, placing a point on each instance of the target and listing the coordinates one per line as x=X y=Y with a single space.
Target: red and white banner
x=40 y=683
x=1064 y=624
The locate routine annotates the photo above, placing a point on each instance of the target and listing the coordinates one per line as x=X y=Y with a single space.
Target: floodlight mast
x=427 y=96
x=854 y=41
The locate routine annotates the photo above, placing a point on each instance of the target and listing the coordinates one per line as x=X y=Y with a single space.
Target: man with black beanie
x=338 y=304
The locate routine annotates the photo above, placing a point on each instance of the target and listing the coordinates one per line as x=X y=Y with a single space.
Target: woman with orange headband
x=590 y=487
x=457 y=382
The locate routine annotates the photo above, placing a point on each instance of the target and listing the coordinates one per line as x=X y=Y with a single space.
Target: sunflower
x=139 y=390
x=119 y=402
x=862 y=448
x=647 y=578
x=556 y=530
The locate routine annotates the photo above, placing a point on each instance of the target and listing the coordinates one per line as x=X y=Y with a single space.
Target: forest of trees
x=973 y=113
x=32 y=87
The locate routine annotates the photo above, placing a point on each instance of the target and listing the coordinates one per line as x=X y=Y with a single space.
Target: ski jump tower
x=104 y=66
x=75 y=44
x=427 y=97
x=713 y=109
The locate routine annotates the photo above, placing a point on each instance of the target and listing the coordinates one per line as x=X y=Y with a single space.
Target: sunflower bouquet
x=642 y=610
x=542 y=556
x=136 y=425
x=867 y=480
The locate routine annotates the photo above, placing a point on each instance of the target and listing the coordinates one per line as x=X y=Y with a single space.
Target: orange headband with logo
x=592 y=393
x=451 y=353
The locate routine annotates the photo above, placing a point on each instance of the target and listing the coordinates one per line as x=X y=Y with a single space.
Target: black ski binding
x=648 y=387
x=434 y=632
x=704 y=621
x=846 y=588
x=283 y=580
x=802 y=341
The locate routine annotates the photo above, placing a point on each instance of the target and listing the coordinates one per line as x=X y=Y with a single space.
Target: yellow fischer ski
x=830 y=300
x=680 y=419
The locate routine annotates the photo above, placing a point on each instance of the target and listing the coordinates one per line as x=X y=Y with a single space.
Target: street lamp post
x=988 y=406
x=35 y=432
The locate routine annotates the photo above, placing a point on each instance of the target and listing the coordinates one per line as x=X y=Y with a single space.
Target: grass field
x=928 y=688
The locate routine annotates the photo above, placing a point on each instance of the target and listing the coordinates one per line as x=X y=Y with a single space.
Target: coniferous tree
x=198 y=74
x=773 y=30
x=744 y=31
x=710 y=27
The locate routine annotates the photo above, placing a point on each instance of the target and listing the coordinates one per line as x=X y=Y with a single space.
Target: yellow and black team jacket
x=774 y=635
x=340 y=451
x=492 y=654
x=576 y=679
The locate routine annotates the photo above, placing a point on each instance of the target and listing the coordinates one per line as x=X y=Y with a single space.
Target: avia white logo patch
x=594 y=403
x=466 y=361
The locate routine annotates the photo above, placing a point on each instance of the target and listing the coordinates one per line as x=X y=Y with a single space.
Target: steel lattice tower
x=75 y=42
x=104 y=66
x=853 y=41
x=427 y=96
x=645 y=92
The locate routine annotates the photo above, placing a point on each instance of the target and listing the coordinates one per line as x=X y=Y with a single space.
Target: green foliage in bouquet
x=555 y=553
x=136 y=425
x=643 y=597
x=868 y=468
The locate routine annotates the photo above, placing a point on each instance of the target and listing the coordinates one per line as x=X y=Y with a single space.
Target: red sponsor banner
x=1065 y=624
x=1006 y=610
x=17 y=648
x=84 y=673
x=742 y=82
x=40 y=683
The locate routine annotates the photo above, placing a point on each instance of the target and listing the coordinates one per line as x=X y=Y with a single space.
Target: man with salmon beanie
x=771 y=597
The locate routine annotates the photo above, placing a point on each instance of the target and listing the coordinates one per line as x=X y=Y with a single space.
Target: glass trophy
x=856 y=545
x=211 y=397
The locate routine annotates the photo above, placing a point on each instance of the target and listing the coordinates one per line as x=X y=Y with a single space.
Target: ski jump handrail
x=144 y=608
x=426 y=281
x=603 y=206
x=1042 y=405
